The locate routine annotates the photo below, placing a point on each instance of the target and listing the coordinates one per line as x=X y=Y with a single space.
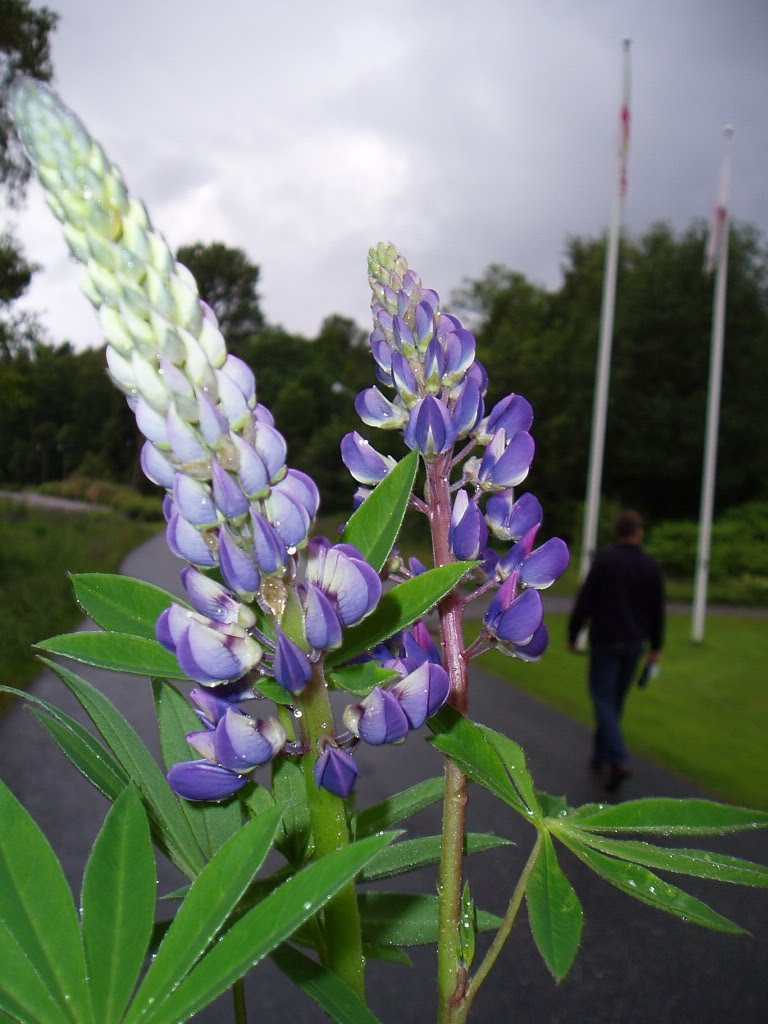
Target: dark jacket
x=622 y=599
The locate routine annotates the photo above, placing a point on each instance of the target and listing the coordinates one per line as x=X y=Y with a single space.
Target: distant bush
x=102 y=492
x=739 y=549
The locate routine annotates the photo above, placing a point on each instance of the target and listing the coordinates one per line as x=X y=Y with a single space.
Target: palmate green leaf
x=212 y=824
x=667 y=816
x=398 y=807
x=289 y=793
x=412 y=854
x=361 y=678
x=554 y=911
x=697 y=863
x=38 y=914
x=373 y=527
x=467 y=745
x=259 y=931
x=326 y=988
x=118 y=652
x=552 y=806
x=170 y=827
x=118 y=906
x=84 y=751
x=121 y=604
x=24 y=995
x=398 y=608
x=637 y=881
x=407 y=919
x=205 y=909
x=513 y=759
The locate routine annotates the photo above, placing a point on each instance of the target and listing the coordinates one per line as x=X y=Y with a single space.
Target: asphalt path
x=636 y=966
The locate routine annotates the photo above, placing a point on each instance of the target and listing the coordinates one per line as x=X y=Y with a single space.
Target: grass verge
x=705 y=717
x=40 y=546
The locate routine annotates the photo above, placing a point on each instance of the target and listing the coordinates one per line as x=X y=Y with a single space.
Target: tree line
x=60 y=414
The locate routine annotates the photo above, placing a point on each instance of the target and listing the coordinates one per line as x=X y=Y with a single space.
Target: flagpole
x=718 y=251
x=600 y=403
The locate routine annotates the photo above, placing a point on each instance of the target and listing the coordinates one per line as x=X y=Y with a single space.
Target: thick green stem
x=343 y=941
x=451 y=974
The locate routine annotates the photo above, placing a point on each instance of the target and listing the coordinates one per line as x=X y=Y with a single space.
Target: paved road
x=637 y=966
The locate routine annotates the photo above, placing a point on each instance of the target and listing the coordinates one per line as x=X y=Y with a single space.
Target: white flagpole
x=600 y=403
x=717 y=251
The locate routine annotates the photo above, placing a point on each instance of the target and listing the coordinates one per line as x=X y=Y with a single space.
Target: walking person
x=622 y=599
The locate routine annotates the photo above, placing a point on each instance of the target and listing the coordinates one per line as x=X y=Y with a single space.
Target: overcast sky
x=464 y=132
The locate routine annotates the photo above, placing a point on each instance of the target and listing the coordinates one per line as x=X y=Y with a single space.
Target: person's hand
x=653 y=657
x=572 y=648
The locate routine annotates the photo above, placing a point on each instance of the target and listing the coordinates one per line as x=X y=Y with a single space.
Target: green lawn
x=39 y=547
x=705 y=717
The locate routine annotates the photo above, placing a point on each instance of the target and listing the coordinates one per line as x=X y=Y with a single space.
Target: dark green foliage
x=227 y=281
x=543 y=345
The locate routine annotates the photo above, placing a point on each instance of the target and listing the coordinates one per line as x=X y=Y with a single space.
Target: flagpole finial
x=626 y=42
x=728 y=130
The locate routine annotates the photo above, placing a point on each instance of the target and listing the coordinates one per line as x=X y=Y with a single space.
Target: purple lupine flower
x=241 y=742
x=292 y=668
x=242 y=375
x=184 y=441
x=202 y=780
x=335 y=769
x=512 y=618
x=190 y=544
x=378 y=718
x=340 y=585
x=227 y=493
x=252 y=470
x=468 y=534
x=377 y=411
x=322 y=626
x=404 y=379
x=194 y=501
x=214 y=601
x=287 y=516
x=418 y=645
x=301 y=488
x=155 y=466
x=430 y=427
x=510 y=414
x=269 y=549
x=532 y=650
x=467 y=407
x=422 y=692
x=209 y=707
x=237 y=567
x=506 y=464
x=508 y=518
x=364 y=463
x=216 y=655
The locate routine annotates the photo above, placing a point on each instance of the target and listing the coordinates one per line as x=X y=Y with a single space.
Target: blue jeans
x=611 y=668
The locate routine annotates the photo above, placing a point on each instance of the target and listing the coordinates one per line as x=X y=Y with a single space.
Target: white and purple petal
x=237 y=567
x=288 y=516
x=292 y=668
x=194 y=501
x=190 y=544
x=252 y=470
x=155 y=466
x=377 y=719
x=269 y=550
x=521 y=620
x=322 y=626
x=509 y=519
x=422 y=692
x=242 y=742
x=227 y=493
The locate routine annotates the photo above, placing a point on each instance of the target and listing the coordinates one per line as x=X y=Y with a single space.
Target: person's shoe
x=619 y=773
